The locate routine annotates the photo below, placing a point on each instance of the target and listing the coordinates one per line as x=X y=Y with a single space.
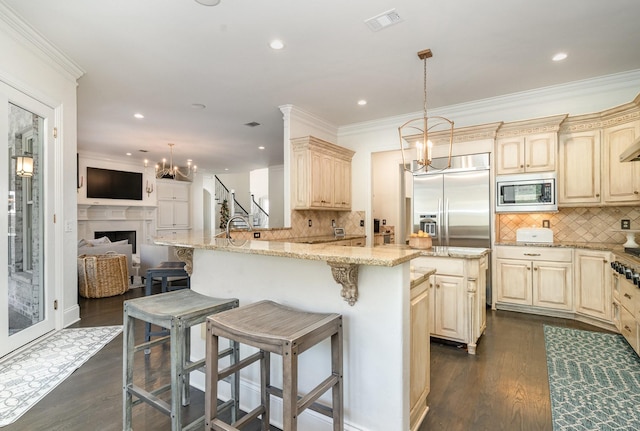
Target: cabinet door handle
x=535 y=268
x=532 y=254
x=527 y=166
x=528 y=268
x=522 y=166
x=605 y=261
x=626 y=295
x=437 y=285
x=627 y=328
x=635 y=192
x=597 y=195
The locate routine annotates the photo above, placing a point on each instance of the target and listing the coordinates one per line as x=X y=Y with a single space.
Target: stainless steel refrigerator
x=453 y=205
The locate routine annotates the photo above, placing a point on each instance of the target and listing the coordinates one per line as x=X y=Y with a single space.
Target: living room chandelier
x=417 y=131
x=172 y=171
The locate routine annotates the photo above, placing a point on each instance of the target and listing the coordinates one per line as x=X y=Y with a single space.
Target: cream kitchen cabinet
x=593 y=284
x=534 y=277
x=579 y=168
x=420 y=348
x=173 y=205
x=528 y=146
x=457 y=297
x=320 y=175
x=621 y=180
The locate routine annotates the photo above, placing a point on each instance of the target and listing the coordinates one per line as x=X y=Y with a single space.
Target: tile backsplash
x=320 y=225
x=573 y=224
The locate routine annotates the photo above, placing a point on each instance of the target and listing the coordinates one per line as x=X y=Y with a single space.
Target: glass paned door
x=26 y=296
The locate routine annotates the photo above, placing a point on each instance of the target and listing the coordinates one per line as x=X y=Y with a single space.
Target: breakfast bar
x=369 y=286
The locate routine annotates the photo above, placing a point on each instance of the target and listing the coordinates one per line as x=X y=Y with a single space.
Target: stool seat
x=178 y=311
x=166 y=271
x=269 y=326
x=275 y=328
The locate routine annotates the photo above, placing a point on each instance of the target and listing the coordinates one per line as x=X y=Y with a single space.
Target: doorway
x=25 y=126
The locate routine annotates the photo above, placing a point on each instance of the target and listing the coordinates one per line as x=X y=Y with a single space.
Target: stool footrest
x=150 y=344
x=197 y=424
x=316 y=407
x=150 y=398
x=224 y=373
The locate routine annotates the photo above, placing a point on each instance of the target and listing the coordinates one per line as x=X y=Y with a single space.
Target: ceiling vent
x=252 y=124
x=383 y=20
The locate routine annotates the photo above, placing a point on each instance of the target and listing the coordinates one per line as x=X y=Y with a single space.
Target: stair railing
x=259 y=216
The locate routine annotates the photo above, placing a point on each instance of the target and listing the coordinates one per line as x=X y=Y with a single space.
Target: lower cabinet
x=628 y=304
x=593 y=284
x=420 y=382
x=457 y=297
x=534 y=276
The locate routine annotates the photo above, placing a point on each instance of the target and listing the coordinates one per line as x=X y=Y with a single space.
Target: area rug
x=28 y=376
x=594 y=380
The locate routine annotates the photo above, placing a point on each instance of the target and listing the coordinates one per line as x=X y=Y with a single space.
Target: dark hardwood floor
x=503 y=387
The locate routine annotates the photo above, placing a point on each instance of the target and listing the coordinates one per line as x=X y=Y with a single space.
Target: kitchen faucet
x=244 y=219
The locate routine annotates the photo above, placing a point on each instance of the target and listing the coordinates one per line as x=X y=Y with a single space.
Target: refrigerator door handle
x=446 y=222
x=439 y=222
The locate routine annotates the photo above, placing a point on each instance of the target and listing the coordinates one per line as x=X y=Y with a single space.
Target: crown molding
x=500 y=106
x=17 y=27
x=306 y=118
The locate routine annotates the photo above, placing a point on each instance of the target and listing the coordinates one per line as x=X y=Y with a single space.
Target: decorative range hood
x=631 y=154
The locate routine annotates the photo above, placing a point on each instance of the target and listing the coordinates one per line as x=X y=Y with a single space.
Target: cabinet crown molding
x=465 y=134
x=621 y=114
x=532 y=126
x=313 y=143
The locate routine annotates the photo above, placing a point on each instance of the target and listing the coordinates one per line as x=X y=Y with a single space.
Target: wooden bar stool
x=274 y=328
x=178 y=311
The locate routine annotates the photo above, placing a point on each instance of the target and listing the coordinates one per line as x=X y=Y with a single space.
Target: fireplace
x=119 y=235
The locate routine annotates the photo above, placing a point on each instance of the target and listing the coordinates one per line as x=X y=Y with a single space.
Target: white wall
x=33 y=67
x=276 y=196
x=240 y=183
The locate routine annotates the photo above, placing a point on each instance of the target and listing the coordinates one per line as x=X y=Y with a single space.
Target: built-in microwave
x=526 y=192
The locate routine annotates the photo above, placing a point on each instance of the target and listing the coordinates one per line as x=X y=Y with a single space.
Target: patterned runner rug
x=594 y=380
x=31 y=374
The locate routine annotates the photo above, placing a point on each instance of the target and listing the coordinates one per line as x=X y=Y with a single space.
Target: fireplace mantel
x=98 y=217
x=115 y=212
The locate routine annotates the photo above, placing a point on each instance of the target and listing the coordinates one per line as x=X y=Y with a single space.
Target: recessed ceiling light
x=208 y=2
x=198 y=106
x=362 y=102
x=261 y=147
x=559 y=56
x=138 y=115
x=128 y=154
x=276 y=44
x=226 y=169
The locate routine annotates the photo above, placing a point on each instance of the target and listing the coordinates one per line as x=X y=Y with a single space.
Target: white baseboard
x=250 y=398
x=70 y=316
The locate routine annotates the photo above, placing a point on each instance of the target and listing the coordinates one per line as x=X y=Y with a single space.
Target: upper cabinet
x=621 y=180
x=589 y=168
x=173 y=205
x=579 y=161
x=528 y=146
x=320 y=175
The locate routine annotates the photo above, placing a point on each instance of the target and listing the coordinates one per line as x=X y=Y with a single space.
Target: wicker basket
x=102 y=275
x=420 y=243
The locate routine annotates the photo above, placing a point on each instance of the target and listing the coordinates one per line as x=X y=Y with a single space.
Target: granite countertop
x=601 y=246
x=420 y=275
x=375 y=256
x=441 y=251
x=319 y=239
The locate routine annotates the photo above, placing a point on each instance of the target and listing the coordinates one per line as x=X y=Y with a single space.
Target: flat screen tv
x=110 y=184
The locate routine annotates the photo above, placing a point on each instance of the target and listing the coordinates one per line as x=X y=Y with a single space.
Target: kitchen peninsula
x=370 y=287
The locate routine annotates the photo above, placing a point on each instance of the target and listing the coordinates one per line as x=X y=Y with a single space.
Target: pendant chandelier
x=172 y=171
x=414 y=134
